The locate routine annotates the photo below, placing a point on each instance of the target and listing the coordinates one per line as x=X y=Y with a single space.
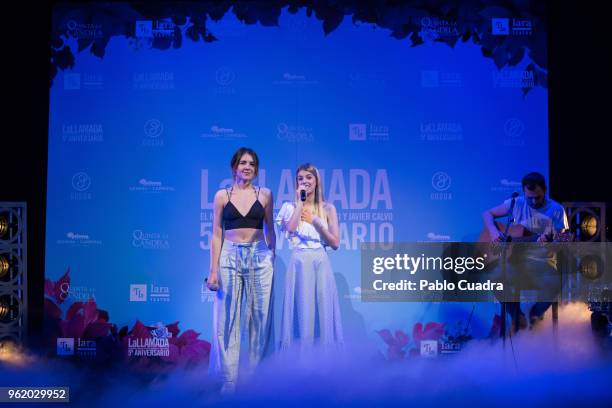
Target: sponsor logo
x=151 y=186
x=516 y=27
x=150 y=240
x=358 y=131
x=429 y=348
x=522 y=27
x=441 y=131
x=432 y=236
x=513 y=78
x=294 y=133
x=82 y=133
x=372 y=132
x=138 y=293
x=74 y=238
x=86 y=348
x=153 y=130
x=155 y=346
x=220 y=132
x=506 y=185
x=294 y=79
x=441 y=79
x=225 y=78
x=500 y=26
x=153 y=81
x=441 y=183
x=84 y=31
x=514 y=129
x=433 y=28
x=153 y=293
x=77 y=293
x=65 y=346
x=81 y=182
x=154 y=29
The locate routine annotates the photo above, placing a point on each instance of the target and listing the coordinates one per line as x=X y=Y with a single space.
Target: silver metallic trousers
x=245 y=290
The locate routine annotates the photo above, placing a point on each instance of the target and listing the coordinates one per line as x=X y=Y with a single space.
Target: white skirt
x=311 y=312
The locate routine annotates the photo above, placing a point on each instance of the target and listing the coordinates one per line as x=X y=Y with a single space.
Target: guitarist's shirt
x=548 y=219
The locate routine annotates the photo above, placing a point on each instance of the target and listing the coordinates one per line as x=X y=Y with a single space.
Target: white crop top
x=305 y=236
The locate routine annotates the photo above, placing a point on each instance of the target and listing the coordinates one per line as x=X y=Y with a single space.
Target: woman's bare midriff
x=242 y=235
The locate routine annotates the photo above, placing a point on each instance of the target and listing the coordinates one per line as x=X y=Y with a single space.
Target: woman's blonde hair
x=319 y=202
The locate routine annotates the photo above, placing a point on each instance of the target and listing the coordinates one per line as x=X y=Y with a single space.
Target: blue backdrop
x=414 y=143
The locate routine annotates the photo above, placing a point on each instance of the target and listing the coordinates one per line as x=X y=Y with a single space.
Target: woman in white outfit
x=311 y=313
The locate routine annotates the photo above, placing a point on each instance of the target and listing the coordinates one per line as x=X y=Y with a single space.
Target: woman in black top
x=241 y=269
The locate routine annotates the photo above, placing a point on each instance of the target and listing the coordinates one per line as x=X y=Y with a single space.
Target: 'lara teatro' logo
x=140 y=292
x=81 y=182
x=154 y=29
x=514 y=27
x=372 y=132
x=66 y=346
x=441 y=183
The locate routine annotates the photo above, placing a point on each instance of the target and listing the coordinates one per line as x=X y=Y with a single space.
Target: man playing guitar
x=542 y=217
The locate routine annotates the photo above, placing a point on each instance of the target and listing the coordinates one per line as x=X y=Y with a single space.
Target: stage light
x=587 y=221
x=4 y=266
x=13 y=276
x=4 y=226
x=9 y=310
x=4 y=309
x=589 y=226
x=591 y=267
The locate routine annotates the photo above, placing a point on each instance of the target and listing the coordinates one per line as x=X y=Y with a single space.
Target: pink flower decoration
x=395 y=343
x=58 y=290
x=432 y=331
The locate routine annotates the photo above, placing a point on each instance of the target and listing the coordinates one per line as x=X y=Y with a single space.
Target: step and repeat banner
x=416 y=133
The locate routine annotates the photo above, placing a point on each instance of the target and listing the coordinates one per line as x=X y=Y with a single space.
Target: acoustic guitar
x=518 y=233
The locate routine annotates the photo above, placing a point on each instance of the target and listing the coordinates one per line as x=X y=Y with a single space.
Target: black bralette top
x=232 y=219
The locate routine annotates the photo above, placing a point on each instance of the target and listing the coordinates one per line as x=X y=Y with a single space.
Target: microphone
x=303 y=195
x=511 y=216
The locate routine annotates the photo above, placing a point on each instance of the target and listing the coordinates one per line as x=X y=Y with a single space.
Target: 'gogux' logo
x=153 y=128
x=441 y=181
x=81 y=181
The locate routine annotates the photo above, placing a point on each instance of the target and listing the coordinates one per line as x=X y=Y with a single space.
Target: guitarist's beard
x=535 y=203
